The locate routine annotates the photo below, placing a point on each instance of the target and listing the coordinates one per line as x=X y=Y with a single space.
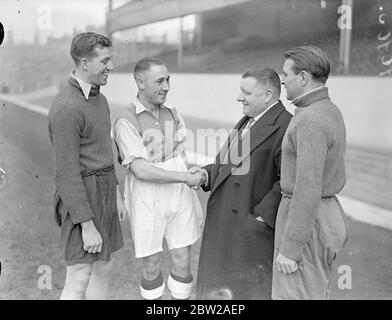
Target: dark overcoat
x=237 y=250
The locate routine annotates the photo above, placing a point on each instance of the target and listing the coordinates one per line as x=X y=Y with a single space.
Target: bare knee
x=76 y=281
x=151 y=266
x=181 y=261
x=99 y=280
x=81 y=274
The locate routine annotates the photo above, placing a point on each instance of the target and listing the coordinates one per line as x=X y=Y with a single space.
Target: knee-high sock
x=180 y=288
x=152 y=289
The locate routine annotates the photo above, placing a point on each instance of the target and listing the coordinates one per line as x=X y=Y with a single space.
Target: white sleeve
x=129 y=142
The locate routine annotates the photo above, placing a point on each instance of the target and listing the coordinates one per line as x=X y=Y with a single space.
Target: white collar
x=140 y=108
x=262 y=113
x=306 y=93
x=86 y=88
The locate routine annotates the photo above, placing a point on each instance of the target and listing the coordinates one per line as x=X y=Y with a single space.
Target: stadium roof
x=142 y=12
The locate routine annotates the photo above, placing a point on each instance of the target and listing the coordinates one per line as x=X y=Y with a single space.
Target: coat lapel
x=257 y=134
x=222 y=156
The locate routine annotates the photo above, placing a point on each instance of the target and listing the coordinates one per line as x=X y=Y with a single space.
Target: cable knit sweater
x=313 y=151
x=79 y=131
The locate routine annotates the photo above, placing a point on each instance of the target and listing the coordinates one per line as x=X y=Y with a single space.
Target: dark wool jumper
x=79 y=131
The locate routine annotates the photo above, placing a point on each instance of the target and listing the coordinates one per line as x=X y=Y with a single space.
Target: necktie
x=247 y=127
x=243 y=133
x=238 y=139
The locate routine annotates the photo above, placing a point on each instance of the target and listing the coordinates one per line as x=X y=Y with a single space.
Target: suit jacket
x=237 y=250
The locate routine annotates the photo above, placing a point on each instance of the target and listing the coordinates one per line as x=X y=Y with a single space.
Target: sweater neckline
x=94 y=91
x=312 y=97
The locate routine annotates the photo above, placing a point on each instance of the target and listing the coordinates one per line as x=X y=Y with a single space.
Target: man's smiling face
x=99 y=66
x=156 y=84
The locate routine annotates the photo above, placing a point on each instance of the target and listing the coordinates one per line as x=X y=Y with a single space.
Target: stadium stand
x=236 y=57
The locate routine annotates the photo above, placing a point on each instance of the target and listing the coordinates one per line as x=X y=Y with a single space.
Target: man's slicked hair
x=84 y=44
x=145 y=64
x=266 y=76
x=311 y=59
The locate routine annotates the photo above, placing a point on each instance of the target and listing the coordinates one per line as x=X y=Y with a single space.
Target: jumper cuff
x=292 y=249
x=79 y=218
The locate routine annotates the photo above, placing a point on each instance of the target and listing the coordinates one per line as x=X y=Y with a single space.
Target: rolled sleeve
x=129 y=142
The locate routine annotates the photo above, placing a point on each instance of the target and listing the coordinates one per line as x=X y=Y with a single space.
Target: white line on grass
x=23 y=104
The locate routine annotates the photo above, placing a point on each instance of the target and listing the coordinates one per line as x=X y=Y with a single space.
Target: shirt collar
x=86 y=88
x=140 y=107
x=295 y=100
x=262 y=113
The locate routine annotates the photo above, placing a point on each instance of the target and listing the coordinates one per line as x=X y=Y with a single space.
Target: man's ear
x=268 y=96
x=84 y=64
x=304 y=77
x=140 y=83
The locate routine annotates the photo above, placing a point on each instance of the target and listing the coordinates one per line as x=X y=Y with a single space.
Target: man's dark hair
x=145 y=64
x=267 y=77
x=84 y=44
x=311 y=59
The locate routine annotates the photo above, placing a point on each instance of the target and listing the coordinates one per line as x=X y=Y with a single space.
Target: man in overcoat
x=238 y=240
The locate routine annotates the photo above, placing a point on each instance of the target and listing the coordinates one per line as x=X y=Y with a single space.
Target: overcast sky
x=26 y=18
x=23 y=16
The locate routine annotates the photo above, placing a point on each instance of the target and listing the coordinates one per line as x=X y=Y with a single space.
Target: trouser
x=312 y=280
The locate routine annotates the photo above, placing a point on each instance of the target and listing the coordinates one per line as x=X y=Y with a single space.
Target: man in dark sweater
x=311 y=227
x=86 y=198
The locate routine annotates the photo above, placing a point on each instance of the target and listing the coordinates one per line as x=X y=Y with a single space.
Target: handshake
x=195 y=177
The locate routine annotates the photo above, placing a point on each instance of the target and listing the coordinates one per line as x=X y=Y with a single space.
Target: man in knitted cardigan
x=311 y=226
x=86 y=206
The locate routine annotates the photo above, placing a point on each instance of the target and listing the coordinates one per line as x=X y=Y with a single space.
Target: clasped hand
x=286 y=265
x=195 y=177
